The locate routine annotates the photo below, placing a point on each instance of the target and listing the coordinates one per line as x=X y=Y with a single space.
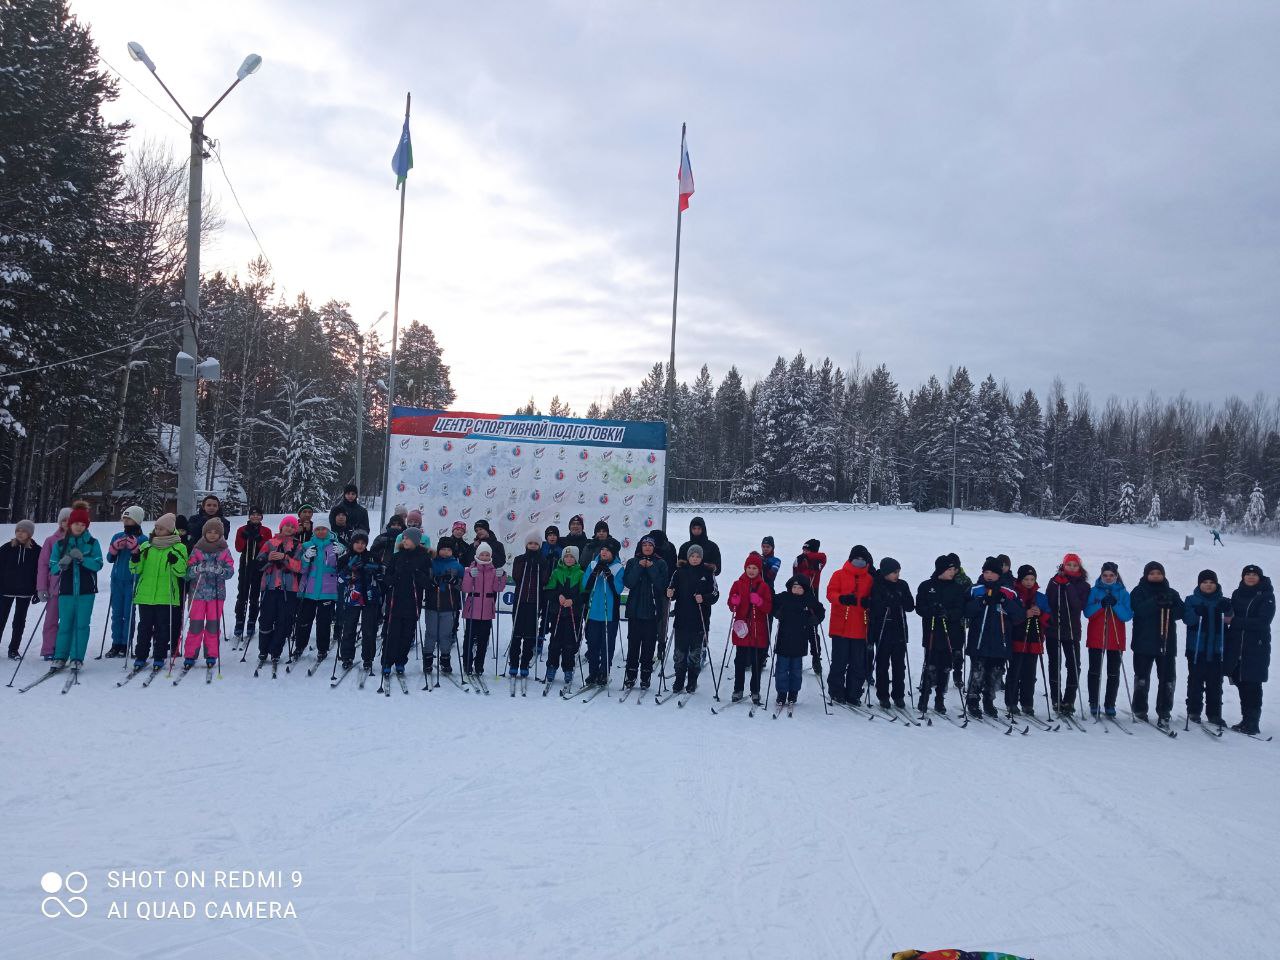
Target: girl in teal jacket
x=77 y=558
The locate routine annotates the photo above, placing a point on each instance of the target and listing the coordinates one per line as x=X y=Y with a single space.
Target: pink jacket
x=480 y=587
x=210 y=574
x=47 y=582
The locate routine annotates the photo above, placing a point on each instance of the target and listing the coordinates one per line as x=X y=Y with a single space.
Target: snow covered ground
x=454 y=825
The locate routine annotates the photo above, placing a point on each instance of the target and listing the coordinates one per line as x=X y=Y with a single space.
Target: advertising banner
x=524 y=473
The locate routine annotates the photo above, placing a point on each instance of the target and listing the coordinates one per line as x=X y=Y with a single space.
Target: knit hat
x=351 y=488
x=955 y=560
x=695 y=549
x=550 y=530
x=1251 y=568
x=754 y=560
x=533 y=537
x=26 y=525
x=446 y=543
x=395 y=521
x=813 y=545
x=889 y=565
x=414 y=536
x=569 y=551
x=79 y=513
x=255 y=511
x=166 y=522
x=401 y=510
x=859 y=552
x=459 y=528
x=414 y=519
x=307 y=506
x=1110 y=567
x=64 y=514
x=601 y=525
x=801 y=579
x=288 y=521
x=943 y=564
x=1004 y=561
x=482 y=524
x=766 y=542
x=1207 y=575
x=212 y=530
x=1071 y=558
x=1026 y=570
x=1152 y=565
x=577 y=518
x=320 y=523
x=484 y=550
x=361 y=535
x=134 y=513
x=649 y=540
x=992 y=564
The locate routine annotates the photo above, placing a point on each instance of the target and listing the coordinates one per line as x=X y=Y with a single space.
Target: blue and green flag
x=402 y=161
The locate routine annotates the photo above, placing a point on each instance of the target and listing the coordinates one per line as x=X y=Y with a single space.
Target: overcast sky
x=1030 y=188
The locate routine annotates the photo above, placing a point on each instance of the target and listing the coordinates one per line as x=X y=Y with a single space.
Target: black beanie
x=889 y=565
x=955 y=559
x=1207 y=575
x=1026 y=570
x=861 y=552
x=766 y=542
x=813 y=545
x=1110 y=565
x=351 y=488
x=482 y=524
x=601 y=525
x=942 y=564
x=550 y=530
x=1251 y=568
x=360 y=535
x=1004 y=560
x=992 y=564
x=1152 y=565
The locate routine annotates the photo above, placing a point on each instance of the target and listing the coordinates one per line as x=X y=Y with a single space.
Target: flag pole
x=403 y=187
x=671 y=367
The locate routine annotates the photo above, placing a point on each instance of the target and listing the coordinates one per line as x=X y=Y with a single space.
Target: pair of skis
x=73 y=678
x=208 y=673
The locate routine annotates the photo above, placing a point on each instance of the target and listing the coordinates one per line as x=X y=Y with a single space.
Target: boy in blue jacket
x=1206 y=613
x=602 y=590
x=442 y=603
x=993 y=612
x=122 y=544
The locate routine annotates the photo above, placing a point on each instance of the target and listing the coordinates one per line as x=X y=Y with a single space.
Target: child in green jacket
x=159 y=565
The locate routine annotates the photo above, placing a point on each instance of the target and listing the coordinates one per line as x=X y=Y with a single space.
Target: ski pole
x=822 y=688
x=769 y=683
x=875 y=659
x=30 y=637
x=906 y=647
x=723 y=659
x=103 y=645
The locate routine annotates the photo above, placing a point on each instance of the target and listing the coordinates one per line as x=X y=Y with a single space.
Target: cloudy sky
x=1086 y=189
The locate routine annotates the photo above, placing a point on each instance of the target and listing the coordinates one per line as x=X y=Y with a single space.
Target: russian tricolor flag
x=686 y=177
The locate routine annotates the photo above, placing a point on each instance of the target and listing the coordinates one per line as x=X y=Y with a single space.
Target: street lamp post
x=191 y=284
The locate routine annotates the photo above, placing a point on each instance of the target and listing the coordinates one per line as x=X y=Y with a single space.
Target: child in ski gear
x=1006 y=568
x=1028 y=644
x=550 y=547
x=646 y=577
x=480 y=588
x=564 y=592
x=210 y=567
x=664 y=548
x=962 y=578
x=1206 y=614
x=1068 y=593
x=47 y=583
x=281 y=564
x=891 y=601
x=798 y=613
x=356 y=517
x=1217 y=539
x=849 y=594
x=340 y=531
x=78 y=558
x=384 y=544
x=119 y=549
x=442 y=602
x=360 y=595
x=529 y=573
x=407 y=581
x=602 y=590
x=1157 y=608
x=457 y=537
x=809 y=564
x=318 y=589
x=710 y=552
x=484 y=535
x=693 y=588
x=251 y=538
x=1108 y=611
x=210 y=507
x=157 y=565
x=750 y=601
x=601 y=537
x=772 y=562
x=549 y=555
x=994 y=614
x=1248 y=648
x=940 y=602
x=19 y=562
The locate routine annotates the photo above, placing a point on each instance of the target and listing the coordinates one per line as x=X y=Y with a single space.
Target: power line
x=89 y=356
x=223 y=167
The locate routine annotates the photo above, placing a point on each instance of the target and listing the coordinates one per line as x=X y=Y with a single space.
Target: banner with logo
x=524 y=473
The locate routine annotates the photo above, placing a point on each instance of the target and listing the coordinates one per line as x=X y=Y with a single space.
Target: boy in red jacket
x=849 y=593
x=250 y=539
x=750 y=600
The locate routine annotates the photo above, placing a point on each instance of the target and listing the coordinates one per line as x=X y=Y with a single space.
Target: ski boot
x=737 y=696
x=939 y=706
x=1216 y=721
x=1162 y=723
x=1141 y=716
x=1110 y=712
x=188 y=663
x=975 y=711
x=923 y=704
x=58 y=664
x=1193 y=716
x=900 y=704
x=210 y=661
x=782 y=702
x=755 y=699
x=14 y=655
x=77 y=664
x=884 y=703
x=1029 y=712
x=989 y=709
x=1094 y=711
x=692 y=685
x=115 y=652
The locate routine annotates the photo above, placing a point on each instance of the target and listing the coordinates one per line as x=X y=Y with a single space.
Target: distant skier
x=772 y=562
x=251 y=540
x=158 y=564
x=1028 y=644
x=1068 y=592
x=481 y=587
x=693 y=588
x=281 y=564
x=809 y=564
x=118 y=550
x=646 y=577
x=209 y=567
x=564 y=593
x=529 y=573
x=360 y=597
x=1217 y=539
x=78 y=558
x=849 y=594
x=750 y=601
x=19 y=568
x=710 y=552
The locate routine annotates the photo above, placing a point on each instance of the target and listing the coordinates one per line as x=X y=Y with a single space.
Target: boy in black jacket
x=887 y=622
x=693 y=588
x=1157 y=608
x=19 y=561
x=407 y=579
x=360 y=600
x=798 y=613
x=940 y=602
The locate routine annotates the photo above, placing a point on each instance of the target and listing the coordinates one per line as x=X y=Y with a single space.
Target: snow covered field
x=454 y=825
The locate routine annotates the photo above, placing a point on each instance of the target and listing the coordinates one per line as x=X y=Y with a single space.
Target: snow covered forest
x=92 y=240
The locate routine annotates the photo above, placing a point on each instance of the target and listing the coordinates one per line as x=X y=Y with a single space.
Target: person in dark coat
x=19 y=565
x=891 y=601
x=798 y=612
x=1028 y=644
x=576 y=537
x=210 y=507
x=994 y=613
x=360 y=599
x=693 y=588
x=809 y=564
x=1248 y=651
x=357 y=516
x=251 y=539
x=384 y=544
x=1157 y=609
x=1068 y=593
x=1206 y=613
x=407 y=580
x=484 y=534
x=940 y=603
x=529 y=573
x=646 y=578
x=664 y=548
x=602 y=538
x=710 y=552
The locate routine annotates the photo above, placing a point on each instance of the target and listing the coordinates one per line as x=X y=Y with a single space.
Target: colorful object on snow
x=955 y=955
x=686 y=177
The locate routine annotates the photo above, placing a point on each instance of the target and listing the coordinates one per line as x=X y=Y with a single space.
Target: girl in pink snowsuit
x=47 y=586
x=210 y=567
x=480 y=589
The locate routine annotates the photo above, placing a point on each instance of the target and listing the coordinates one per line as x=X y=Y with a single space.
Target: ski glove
x=76 y=553
x=172 y=558
x=1108 y=601
x=993 y=598
x=864 y=602
x=849 y=599
x=64 y=562
x=756 y=600
x=42 y=597
x=310 y=553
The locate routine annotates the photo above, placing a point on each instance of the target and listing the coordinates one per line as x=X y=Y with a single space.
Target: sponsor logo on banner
x=444 y=489
x=608 y=455
x=604 y=498
x=492 y=471
x=533 y=517
x=424 y=466
x=515 y=473
x=515 y=451
x=471 y=447
x=582 y=497
x=535 y=495
x=583 y=455
x=466 y=491
x=466 y=515
x=652 y=458
x=444 y=511
x=628 y=499
x=448 y=444
x=648 y=521
x=559 y=474
x=424 y=487
x=511 y=515
x=400 y=486
x=540 y=452
x=537 y=473
x=558 y=496
x=582 y=475
x=448 y=466
x=404 y=443
x=490 y=492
